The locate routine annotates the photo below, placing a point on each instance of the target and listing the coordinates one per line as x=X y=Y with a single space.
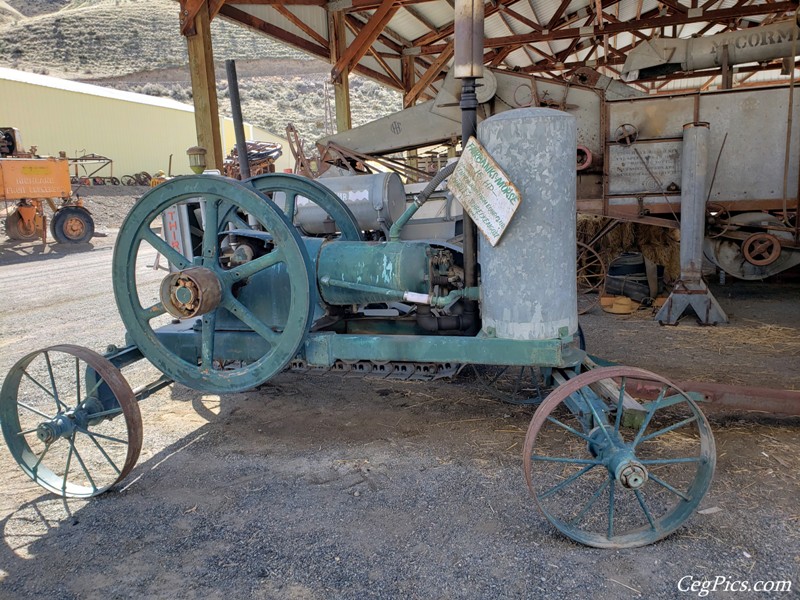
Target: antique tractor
x=614 y=456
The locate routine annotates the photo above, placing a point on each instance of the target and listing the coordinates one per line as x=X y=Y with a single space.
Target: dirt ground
x=335 y=487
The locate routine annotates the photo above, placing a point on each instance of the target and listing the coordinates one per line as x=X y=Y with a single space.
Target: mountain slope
x=136 y=45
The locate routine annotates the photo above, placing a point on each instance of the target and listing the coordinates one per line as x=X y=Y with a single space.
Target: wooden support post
x=341 y=84
x=409 y=76
x=204 y=89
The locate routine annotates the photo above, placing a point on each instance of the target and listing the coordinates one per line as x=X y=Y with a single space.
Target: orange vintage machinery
x=30 y=181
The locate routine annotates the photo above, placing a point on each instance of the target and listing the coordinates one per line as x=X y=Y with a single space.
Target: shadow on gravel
x=20 y=252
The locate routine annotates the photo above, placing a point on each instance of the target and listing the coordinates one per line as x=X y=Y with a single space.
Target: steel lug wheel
x=70 y=420
x=612 y=474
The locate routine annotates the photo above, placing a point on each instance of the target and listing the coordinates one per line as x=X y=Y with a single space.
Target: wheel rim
x=293 y=187
x=70 y=420
x=583 y=472
x=74 y=228
x=224 y=198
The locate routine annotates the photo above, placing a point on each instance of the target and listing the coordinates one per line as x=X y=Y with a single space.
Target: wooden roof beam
x=644 y=23
x=380 y=59
x=430 y=75
x=300 y=24
x=368 y=34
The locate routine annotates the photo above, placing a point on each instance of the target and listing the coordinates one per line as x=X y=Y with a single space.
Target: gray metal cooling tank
x=528 y=280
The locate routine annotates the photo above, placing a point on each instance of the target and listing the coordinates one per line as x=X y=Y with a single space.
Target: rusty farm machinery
x=614 y=456
x=29 y=182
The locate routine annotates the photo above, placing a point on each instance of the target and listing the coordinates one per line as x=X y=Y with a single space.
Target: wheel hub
x=631 y=475
x=618 y=458
x=74 y=228
x=191 y=293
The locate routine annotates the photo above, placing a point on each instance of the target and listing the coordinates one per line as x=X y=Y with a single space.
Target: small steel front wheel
x=70 y=420
x=609 y=474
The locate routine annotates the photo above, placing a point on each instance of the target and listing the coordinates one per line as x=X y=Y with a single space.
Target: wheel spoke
x=568 y=428
x=210 y=234
x=670 y=461
x=77 y=381
x=151 y=312
x=162 y=247
x=618 y=420
x=41 y=387
x=591 y=502
x=105 y=413
x=613 y=484
x=28 y=431
x=252 y=267
x=207 y=340
x=82 y=464
x=600 y=423
x=560 y=459
x=647 y=514
x=646 y=422
x=101 y=436
x=291 y=205
x=231 y=216
x=668 y=429
x=103 y=452
x=59 y=403
x=567 y=481
x=664 y=484
x=66 y=469
x=240 y=311
x=33 y=410
x=41 y=457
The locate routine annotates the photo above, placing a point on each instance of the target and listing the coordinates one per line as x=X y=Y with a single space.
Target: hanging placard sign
x=485 y=192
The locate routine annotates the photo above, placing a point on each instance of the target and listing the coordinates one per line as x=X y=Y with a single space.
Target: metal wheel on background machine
x=16 y=230
x=285 y=189
x=614 y=480
x=70 y=420
x=72 y=225
x=209 y=290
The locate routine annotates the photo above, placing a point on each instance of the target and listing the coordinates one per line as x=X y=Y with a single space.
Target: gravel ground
x=333 y=487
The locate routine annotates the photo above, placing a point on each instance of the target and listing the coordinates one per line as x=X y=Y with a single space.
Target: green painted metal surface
x=323 y=349
x=400 y=266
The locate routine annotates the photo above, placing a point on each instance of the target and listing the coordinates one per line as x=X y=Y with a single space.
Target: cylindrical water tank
x=528 y=287
x=375 y=200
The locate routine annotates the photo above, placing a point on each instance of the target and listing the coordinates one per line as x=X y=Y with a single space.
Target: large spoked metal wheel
x=612 y=477
x=70 y=420
x=288 y=191
x=210 y=287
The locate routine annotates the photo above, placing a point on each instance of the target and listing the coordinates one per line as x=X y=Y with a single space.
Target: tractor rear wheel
x=16 y=230
x=72 y=225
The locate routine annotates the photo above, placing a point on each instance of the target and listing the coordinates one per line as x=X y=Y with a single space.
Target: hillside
x=136 y=45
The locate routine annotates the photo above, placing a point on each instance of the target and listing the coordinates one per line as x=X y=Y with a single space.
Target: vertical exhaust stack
x=528 y=281
x=662 y=56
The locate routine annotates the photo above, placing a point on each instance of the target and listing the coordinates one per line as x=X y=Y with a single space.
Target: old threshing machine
x=614 y=456
x=29 y=181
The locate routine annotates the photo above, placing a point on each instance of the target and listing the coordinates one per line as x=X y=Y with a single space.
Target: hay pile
x=658 y=244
